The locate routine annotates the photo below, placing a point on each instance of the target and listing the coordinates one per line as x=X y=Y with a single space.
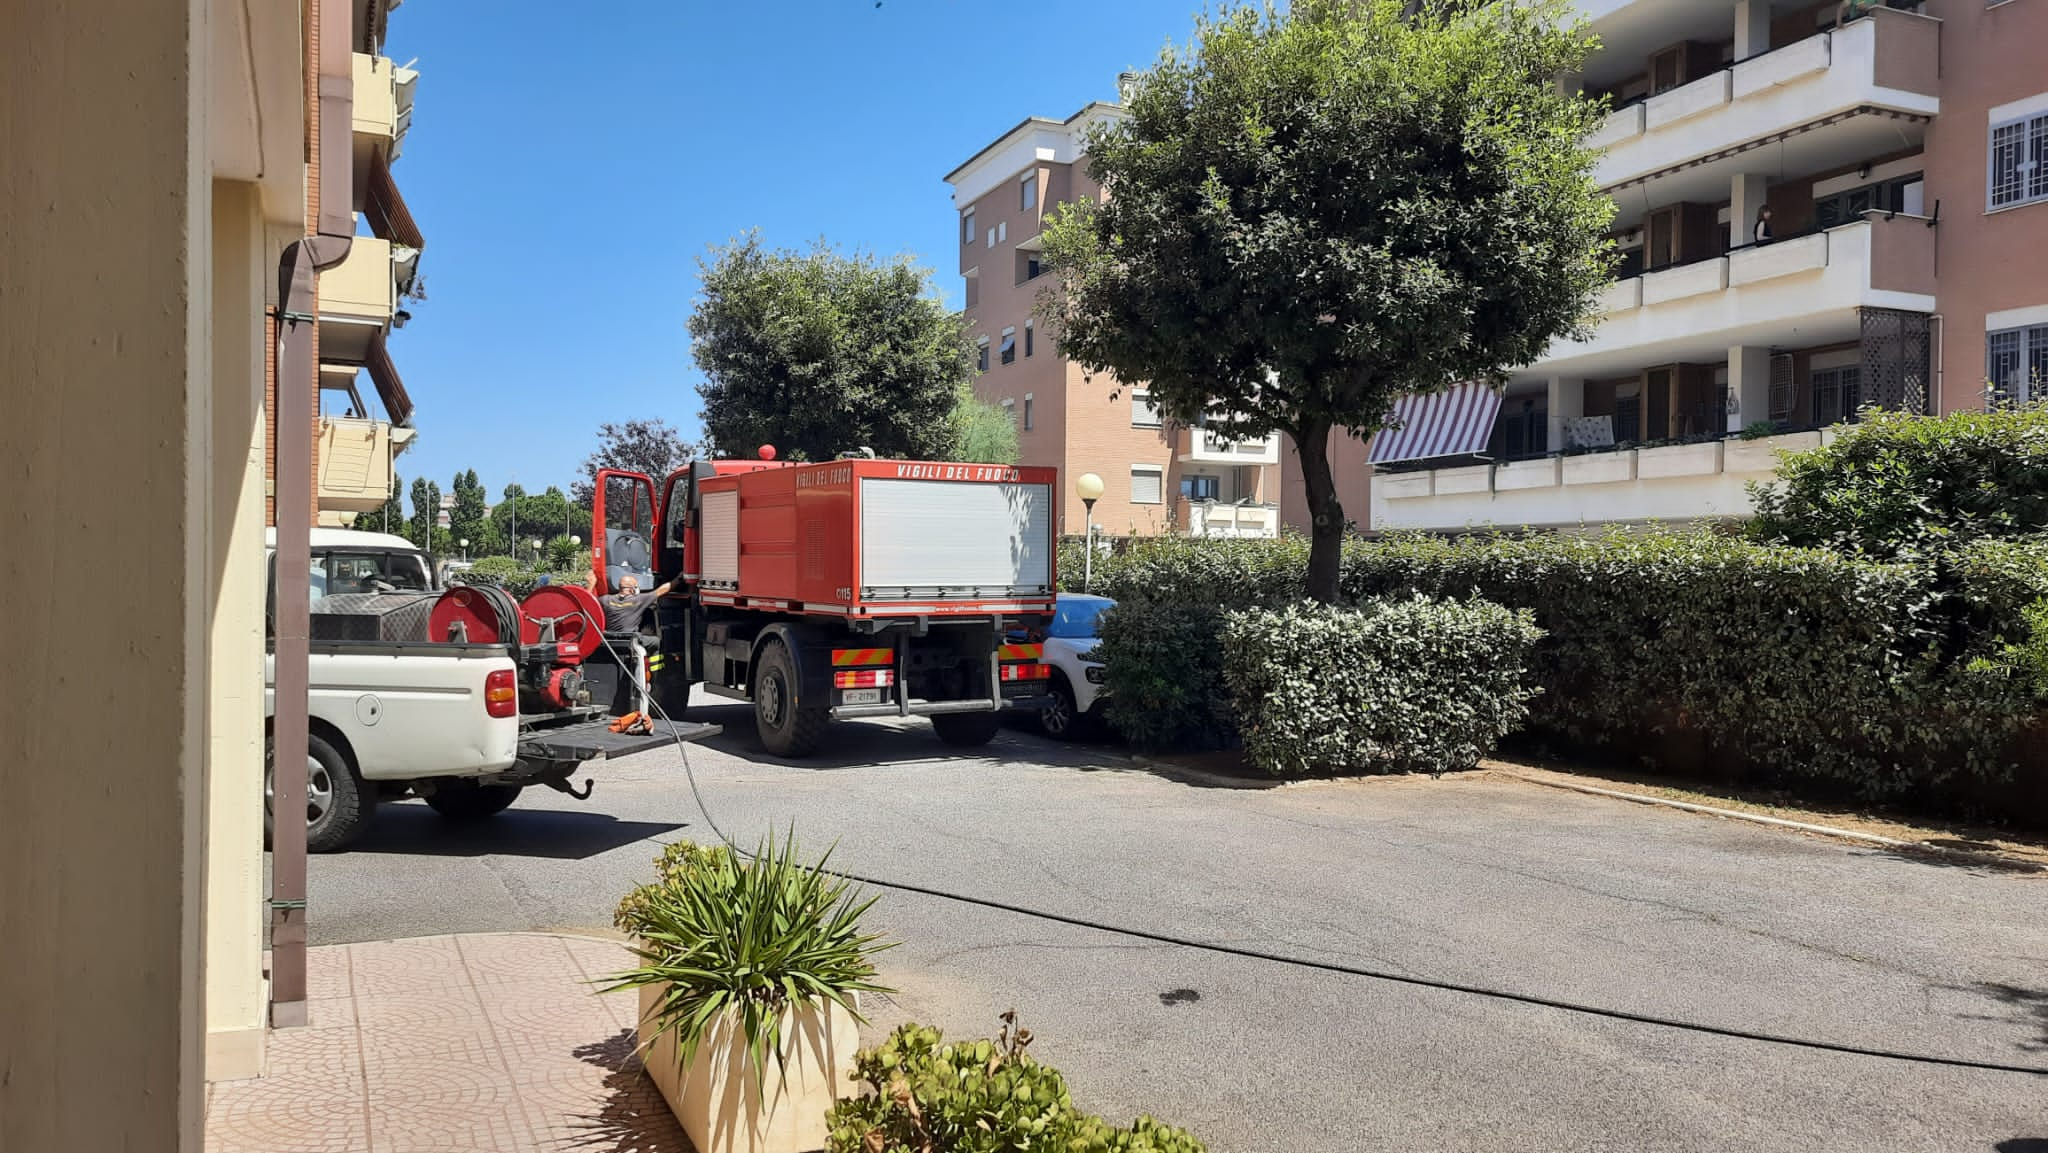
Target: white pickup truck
x=438 y=720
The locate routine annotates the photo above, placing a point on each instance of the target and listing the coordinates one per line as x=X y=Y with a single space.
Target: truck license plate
x=861 y=697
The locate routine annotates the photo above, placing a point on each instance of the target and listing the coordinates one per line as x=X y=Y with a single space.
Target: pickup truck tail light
x=501 y=694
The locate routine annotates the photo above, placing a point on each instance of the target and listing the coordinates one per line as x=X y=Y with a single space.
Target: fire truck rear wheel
x=785 y=729
x=967 y=729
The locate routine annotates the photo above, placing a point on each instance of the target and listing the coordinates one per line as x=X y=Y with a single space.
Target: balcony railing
x=1708 y=479
x=1888 y=62
x=355 y=462
x=1207 y=446
x=1205 y=518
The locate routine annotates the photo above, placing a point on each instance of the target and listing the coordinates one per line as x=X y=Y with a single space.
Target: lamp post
x=1088 y=487
x=465 y=549
x=536 y=550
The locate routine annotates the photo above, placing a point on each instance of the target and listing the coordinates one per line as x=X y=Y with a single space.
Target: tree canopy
x=982 y=432
x=1307 y=215
x=649 y=446
x=821 y=352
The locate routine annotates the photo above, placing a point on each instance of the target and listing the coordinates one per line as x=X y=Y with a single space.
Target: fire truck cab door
x=676 y=559
x=625 y=523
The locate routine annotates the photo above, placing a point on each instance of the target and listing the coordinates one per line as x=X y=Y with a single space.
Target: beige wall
x=234 y=805
x=104 y=359
x=1988 y=261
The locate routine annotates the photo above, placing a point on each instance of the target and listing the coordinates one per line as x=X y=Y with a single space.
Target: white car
x=1076 y=683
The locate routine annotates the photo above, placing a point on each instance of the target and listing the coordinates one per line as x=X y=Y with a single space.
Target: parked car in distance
x=1076 y=683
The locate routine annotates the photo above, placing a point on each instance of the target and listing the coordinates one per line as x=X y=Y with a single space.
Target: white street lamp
x=465 y=548
x=1088 y=487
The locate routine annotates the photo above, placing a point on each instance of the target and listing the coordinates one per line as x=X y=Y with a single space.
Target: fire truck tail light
x=501 y=694
x=863 y=679
x=1026 y=672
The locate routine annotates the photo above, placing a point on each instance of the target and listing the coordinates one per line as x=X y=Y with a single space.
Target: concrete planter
x=1679 y=460
x=1522 y=474
x=1600 y=468
x=1471 y=478
x=1761 y=455
x=721 y=1103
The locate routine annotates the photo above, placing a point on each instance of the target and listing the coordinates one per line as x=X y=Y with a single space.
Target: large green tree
x=466 y=519
x=649 y=446
x=541 y=517
x=426 y=511
x=821 y=352
x=1307 y=214
x=982 y=432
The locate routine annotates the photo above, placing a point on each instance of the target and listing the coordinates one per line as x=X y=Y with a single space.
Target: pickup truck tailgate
x=591 y=740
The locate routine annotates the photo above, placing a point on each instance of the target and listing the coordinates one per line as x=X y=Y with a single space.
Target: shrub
x=1403 y=685
x=1895 y=483
x=985 y=1096
x=1163 y=673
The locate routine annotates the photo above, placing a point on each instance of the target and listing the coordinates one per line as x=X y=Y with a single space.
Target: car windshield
x=1075 y=619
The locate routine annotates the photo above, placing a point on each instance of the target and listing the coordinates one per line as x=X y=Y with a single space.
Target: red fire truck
x=842 y=589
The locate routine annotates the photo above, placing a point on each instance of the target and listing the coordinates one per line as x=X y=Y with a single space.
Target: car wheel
x=1060 y=720
x=338 y=805
x=460 y=800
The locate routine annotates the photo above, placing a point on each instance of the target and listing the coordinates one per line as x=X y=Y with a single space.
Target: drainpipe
x=299 y=308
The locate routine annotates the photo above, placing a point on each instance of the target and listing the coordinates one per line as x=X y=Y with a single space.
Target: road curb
x=1918 y=848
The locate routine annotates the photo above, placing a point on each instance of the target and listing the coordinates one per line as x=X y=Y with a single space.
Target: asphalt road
x=1472 y=881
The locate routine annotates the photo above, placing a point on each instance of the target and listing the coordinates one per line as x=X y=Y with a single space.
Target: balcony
x=355 y=462
x=1675 y=483
x=382 y=109
x=1803 y=290
x=1213 y=519
x=1207 y=446
x=359 y=296
x=1832 y=98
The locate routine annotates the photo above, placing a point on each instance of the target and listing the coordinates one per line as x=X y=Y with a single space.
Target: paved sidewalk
x=482 y=1043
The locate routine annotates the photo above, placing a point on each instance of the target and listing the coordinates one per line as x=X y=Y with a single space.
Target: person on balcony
x=1762 y=233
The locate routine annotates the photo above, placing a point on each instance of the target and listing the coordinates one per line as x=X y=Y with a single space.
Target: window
x=973 y=289
x=2016 y=364
x=1027 y=196
x=1836 y=394
x=1027 y=412
x=1143 y=415
x=2019 y=161
x=1201 y=487
x=1002 y=231
x=1030 y=331
x=1009 y=348
x=1148 y=484
x=967 y=227
x=981 y=355
x=1010 y=411
x=991 y=235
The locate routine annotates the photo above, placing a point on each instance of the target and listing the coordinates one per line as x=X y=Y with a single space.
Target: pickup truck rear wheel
x=460 y=800
x=786 y=730
x=967 y=730
x=338 y=805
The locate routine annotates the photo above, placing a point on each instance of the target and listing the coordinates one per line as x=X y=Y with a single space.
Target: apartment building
x=1902 y=155
x=363 y=297
x=1158 y=477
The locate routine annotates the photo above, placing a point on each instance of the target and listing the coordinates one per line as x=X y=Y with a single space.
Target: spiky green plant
x=753 y=936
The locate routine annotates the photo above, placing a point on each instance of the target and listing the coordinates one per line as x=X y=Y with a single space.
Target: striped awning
x=1455 y=422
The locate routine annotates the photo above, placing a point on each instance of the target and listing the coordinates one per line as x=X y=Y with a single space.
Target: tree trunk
x=1326 y=534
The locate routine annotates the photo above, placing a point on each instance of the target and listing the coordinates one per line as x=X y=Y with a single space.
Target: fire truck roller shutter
x=927 y=538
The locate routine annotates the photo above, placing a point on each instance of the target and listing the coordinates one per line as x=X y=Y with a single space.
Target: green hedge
x=1163 y=664
x=1686 y=649
x=1894 y=483
x=1400 y=685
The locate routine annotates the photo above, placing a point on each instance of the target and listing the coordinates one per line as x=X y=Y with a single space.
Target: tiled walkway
x=489 y=1043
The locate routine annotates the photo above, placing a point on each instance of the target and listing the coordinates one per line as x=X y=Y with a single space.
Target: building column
x=1746 y=193
x=105 y=210
x=1567 y=402
x=1752 y=28
x=1749 y=382
x=235 y=1009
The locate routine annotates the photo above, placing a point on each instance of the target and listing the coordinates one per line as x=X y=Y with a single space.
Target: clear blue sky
x=569 y=163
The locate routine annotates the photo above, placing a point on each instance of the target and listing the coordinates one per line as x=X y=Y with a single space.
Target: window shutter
x=1143 y=415
x=1148 y=486
x=1784 y=387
